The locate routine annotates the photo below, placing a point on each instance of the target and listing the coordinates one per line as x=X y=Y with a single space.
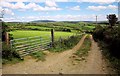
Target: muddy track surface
x=62 y=63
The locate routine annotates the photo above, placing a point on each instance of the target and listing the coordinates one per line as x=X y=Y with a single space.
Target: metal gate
x=25 y=46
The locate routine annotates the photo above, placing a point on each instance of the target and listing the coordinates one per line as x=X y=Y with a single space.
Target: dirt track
x=57 y=63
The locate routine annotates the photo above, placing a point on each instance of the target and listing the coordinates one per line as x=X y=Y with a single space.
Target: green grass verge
x=39 y=56
x=11 y=61
x=83 y=51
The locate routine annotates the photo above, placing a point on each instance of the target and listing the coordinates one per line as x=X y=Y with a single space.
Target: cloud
x=92 y=1
x=17 y=0
x=99 y=1
x=62 y=0
x=68 y=17
x=98 y=8
x=113 y=7
x=1 y=9
x=75 y=8
x=37 y=1
x=46 y=8
x=50 y=6
x=5 y=4
x=50 y=3
x=1 y=12
x=32 y=5
x=18 y=5
x=6 y=11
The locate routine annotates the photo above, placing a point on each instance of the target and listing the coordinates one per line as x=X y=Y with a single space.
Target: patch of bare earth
x=62 y=63
x=0 y=72
x=94 y=63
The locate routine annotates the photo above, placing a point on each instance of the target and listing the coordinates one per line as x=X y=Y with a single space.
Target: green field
x=62 y=29
x=57 y=26
x=39 y=27
x=30 y=33
x=38 y=35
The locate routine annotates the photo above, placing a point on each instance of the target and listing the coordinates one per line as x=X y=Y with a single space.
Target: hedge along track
x=61 y=63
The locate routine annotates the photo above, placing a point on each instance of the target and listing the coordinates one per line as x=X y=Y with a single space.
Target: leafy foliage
x=112 y=19
x=8 y=53
x=109 y=40
x=63 y=44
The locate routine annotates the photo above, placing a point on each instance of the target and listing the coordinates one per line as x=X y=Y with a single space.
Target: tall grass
x=39 y=55
x=83 y=51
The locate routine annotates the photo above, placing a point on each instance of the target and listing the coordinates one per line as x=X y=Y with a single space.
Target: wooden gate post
x=7 y=38
x=52 y=37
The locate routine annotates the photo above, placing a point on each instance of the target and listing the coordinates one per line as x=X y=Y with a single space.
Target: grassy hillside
x=57 y=26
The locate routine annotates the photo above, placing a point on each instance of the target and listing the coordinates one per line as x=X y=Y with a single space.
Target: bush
x=98 y=33
x=111 y=37
x=8 y=53
x=109 y=40
x=63 y=44
x=66 y=30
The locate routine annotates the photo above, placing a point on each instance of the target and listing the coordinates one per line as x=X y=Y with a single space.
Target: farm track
x=62 y=63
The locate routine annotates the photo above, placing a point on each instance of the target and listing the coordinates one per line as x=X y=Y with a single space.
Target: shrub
x=66 y=30
x=63 y=44
x=8 y=53
x=98 y=33
x=109 y=40
x=110 y=36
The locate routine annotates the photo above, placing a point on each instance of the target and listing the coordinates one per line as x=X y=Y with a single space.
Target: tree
x=112 y=19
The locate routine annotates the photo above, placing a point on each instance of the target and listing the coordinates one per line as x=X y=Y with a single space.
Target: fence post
x=52 y=36
x=7 y=38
